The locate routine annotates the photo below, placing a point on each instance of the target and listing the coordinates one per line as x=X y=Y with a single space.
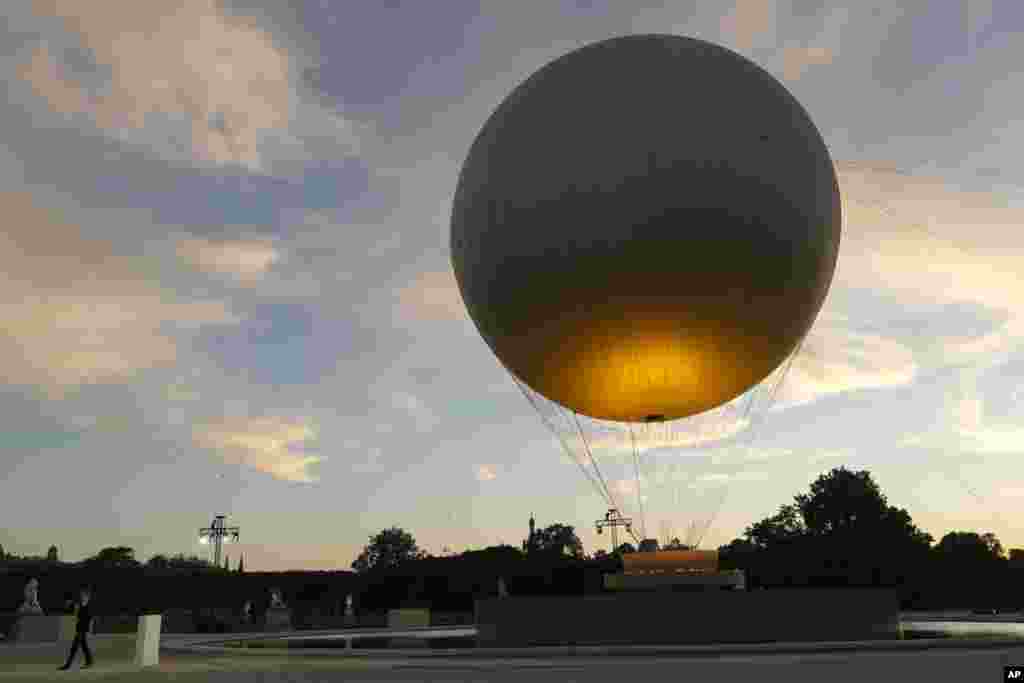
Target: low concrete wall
x=40 y=628
x=279 y=619
x=799 y=615
x=405 y=618
x=68 y=622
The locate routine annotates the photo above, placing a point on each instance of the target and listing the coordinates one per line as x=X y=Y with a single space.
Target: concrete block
x=147 y=640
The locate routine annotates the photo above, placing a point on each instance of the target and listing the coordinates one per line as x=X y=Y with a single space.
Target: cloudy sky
x=225 y=283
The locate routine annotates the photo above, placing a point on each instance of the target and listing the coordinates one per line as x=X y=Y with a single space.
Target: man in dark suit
x=82 y=624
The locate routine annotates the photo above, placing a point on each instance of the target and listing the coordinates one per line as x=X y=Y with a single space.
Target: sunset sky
x=225 y=282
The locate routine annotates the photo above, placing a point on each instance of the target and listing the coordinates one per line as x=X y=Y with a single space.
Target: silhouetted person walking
x=84 y=620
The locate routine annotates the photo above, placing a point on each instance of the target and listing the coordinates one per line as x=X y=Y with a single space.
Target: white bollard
x=147 y=642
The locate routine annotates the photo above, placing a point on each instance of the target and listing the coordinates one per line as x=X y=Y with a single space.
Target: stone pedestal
x=147 y=640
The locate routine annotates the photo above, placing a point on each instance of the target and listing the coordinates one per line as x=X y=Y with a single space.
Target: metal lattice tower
x=217 y=533
x=614 y=519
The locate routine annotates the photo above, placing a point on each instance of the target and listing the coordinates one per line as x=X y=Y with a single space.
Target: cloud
x=742 y=475
x=270 y=445
x=433 y=295
x=929 y=243
x=246 y=261
x=928 y=240
x=113 y=424
x=180 y=391
x=747 y=22
x=821 y=49
x=708 y=480
x=969 y=425
x=739 y=456
x=830 y=454
x=925 y=244
x=623 y=487
x=486 y=472
x=967 y=431
x=796 y=60
x=423 y=417
x=752 y=24
x=73 y=311
x=217 y=80
x=836 y=359
x=992 y=439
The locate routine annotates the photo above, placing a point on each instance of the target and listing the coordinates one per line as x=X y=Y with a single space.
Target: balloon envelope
x=646 y=228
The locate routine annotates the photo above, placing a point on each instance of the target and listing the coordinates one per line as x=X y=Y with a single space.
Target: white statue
x=348 y=605
x=276 y=600
x=31 y=604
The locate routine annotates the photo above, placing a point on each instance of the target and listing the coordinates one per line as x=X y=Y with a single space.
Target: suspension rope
x=561 y=439
x=636 y=469
x=593 y=462
x=772 y=394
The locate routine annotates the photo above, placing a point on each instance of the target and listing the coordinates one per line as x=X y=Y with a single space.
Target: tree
x=968 y=547
x=3 y=555
x=388 y=549
x=114 y=557
x=496 y=554
x=51 y=554
x=843 y=530
x=158 y=561
x=840 y=500
x=179 y=561
x=241 y=564
x=558 y=539
x=736 y=554
x=625 y=548
x=849 y=507
x=780 y=529
x=994 y=546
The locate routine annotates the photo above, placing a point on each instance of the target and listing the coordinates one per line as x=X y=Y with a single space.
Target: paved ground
x=114 y=663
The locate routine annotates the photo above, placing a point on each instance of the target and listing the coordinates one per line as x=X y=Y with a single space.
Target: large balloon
x=646 y=227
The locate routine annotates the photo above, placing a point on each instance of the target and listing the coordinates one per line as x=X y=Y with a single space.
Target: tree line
x=841 y=532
